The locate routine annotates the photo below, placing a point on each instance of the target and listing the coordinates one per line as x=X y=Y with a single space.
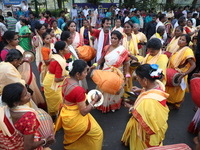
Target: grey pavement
x=113 y=124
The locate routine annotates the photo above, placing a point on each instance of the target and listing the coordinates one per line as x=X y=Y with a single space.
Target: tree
x=194 y=2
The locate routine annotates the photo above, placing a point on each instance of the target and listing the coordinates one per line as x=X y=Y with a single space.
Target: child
x=46 y=55
x=52 y=34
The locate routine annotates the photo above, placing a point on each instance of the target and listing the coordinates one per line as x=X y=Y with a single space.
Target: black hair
x=32 y=13
x=54 y=21
x=155 y=15
x=180 y=27
x=44 y=35
x=188 y=38
x=181 y=20
x=118 y=19
x=9 y=14
x=154 y=44
x=8 y=35
x=45 y=24
x=12 y=55
x=190 y=20
x=144 y=71
x=12 y=94
x=104 y=20
x=62 y=11
x=129 y=22
x=38 y=26
x=117 y=33
x=68 y=24
x=78 y=66
x=49 y=30
x=65 y=35
x=162 y=16
x=26 y=22
x=60 y=45
x=194 y=15
x=48 y=13
x=1 y=18
x=42 y=13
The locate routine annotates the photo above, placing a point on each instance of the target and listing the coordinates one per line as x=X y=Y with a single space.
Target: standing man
x=85 y=11
x=118 y=27
x=61 y=19
x=10 y=21
x=103 y=36
x=33 y=21
x=3 y=29
x=74 y=13
x=48 y=17
x=18 y=25
x=151 y=27
x=162 y=20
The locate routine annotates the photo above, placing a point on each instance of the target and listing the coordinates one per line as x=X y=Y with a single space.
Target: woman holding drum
x=183 y=61
x=155 y=56
x=81 y=131
x=114 y=55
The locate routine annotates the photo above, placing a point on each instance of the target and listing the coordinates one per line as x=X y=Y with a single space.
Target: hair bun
x=69 y=60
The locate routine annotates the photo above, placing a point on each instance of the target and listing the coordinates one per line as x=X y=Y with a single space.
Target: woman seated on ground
x=81 y=131
x=18 y=122
x=183 y=61
x=155 y=56
x=146 y=128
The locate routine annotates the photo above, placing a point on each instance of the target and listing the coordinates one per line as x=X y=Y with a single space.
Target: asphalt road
x=113 y=124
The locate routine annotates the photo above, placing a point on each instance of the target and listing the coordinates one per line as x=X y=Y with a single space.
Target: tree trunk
x=194 y=2
x=59 y=4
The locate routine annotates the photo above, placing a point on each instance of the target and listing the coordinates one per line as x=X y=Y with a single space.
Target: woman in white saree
x=114 y=55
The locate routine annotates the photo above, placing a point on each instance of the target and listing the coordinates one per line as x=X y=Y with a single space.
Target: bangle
x=45 y=142
x=95 y=64
x=130 y=109
x=92 y=105
x=128 y=75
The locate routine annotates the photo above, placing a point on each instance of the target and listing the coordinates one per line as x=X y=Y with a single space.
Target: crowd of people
x=133 y=44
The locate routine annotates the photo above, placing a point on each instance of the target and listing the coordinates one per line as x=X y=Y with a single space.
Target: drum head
x=175 y=79
x=91 y=95
x=29 y=55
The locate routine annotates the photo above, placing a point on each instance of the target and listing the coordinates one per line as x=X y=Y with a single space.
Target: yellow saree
x=142 y=39
x=160 y=59
x=147 y=127
x=173 y=45
x=179 y=58
x=80 y=132
x=52 y=89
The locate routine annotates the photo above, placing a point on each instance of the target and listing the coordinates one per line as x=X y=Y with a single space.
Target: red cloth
x=55 y=68
x=49 y=21
x=76 y=95
x=27 y=124
x=164 y=101
x=96 y=34
x=4 y=52
x=187 y=30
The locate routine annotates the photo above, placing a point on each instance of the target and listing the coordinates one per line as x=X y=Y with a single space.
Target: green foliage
x=146 y=4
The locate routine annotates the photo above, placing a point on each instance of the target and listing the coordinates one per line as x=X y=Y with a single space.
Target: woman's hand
x=127 y=105
x=136 y=89
x=49 y=141
x=196 y=75
x=181 y=76
x=133 y=57
x=96 y=98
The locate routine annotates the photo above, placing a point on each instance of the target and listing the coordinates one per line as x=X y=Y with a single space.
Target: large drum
x=195 y=90
x=107 y=81
x=172 y=77
x=86 y=53
x=46 y=127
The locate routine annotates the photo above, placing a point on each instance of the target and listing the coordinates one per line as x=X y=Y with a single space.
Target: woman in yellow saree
x=81 y=131
x=173 y=45
x=155 y=56
x=183 y=61
x=54 y=78
x=148 y=124
x=130 y=42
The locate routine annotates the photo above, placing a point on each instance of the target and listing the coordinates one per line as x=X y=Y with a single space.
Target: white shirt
x=116 y=11
x=18 y=27
x=126 y=19
x=3 y=28
x=185 y=13
x=73 y=13
x=85 y=12
x=176 y=24
x=165 y=34
x=194 y=22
